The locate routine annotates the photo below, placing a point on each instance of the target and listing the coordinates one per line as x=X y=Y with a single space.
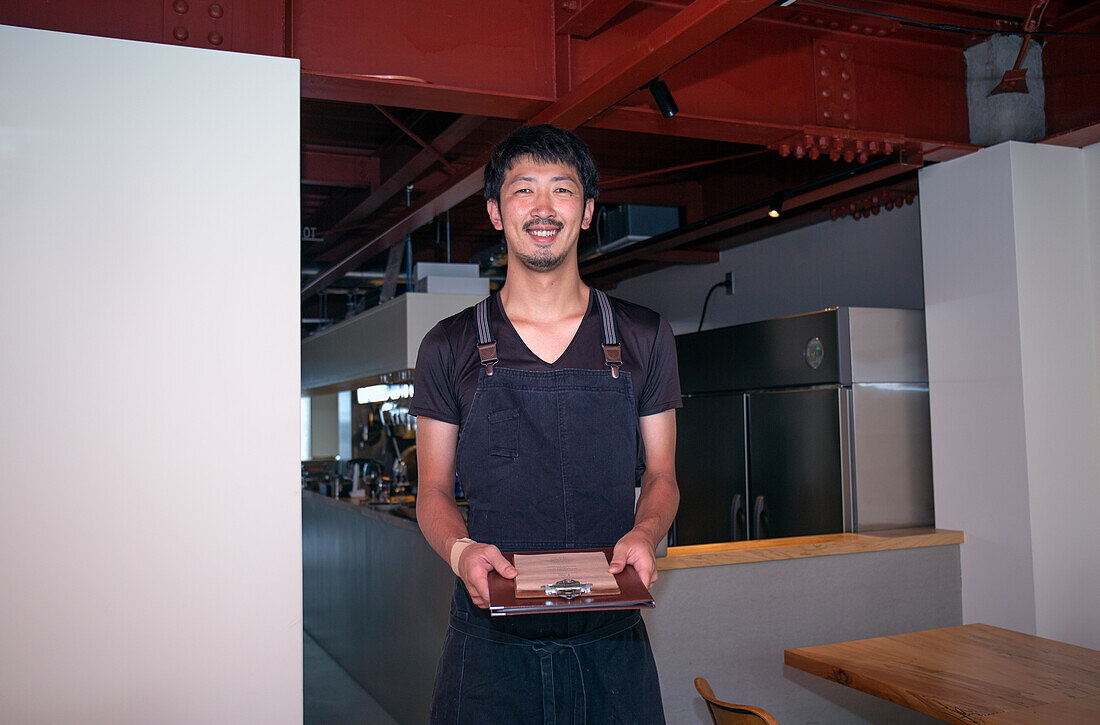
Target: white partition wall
x=1011 y=291
x=150 y=551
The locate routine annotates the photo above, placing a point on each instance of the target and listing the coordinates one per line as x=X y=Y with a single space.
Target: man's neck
x=543 y=297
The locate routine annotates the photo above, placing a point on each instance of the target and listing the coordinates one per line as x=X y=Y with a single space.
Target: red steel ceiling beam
x=607 y=265
x=687 y=32
x=582 y=18
x=417 y=165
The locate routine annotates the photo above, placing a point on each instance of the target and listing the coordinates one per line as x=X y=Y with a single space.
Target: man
x=550 y=401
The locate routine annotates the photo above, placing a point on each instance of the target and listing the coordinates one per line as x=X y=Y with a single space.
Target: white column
x=150 y=532
x=1010 y=296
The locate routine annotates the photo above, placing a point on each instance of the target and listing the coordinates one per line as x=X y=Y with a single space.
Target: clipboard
x=632 y=593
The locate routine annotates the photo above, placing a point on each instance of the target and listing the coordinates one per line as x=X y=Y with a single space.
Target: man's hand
x=474 y=565
x=635 y=549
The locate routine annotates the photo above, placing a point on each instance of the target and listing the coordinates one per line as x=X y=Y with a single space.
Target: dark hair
x=544 y=144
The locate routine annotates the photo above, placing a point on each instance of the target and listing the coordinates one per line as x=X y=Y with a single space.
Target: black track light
x=662 y=96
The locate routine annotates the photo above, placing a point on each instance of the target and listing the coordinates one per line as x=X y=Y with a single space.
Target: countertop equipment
x=804 y=425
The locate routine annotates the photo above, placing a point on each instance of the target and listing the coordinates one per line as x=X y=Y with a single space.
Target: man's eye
x=565 y=190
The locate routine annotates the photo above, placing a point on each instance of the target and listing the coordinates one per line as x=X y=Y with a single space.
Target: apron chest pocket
x=504 y=433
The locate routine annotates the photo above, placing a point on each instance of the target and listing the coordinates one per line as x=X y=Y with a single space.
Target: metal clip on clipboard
x=566 y=589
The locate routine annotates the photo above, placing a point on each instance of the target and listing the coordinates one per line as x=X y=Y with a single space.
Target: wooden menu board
x=503 y=600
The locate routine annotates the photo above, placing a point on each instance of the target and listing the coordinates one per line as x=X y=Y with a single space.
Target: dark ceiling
x=832 y=106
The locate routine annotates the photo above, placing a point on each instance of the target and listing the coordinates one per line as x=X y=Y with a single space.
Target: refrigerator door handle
x=760 y=517
x=738 y=519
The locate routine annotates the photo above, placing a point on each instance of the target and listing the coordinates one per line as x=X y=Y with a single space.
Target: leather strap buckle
x=613 y=357
x=488 y=354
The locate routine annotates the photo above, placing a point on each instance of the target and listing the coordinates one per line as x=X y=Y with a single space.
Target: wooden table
x=970 y=674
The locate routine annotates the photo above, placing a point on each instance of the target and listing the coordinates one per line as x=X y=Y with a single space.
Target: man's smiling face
x=542 y=211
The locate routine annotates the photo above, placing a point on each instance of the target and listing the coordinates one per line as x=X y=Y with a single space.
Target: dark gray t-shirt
x=447 y=364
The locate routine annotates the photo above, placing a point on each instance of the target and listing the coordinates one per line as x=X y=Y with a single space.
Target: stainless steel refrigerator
x=803 y=425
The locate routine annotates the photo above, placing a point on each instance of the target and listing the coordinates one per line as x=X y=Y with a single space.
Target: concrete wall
x=376 y=598
x=150 y=552
x=1011 y=305
x=873 y=262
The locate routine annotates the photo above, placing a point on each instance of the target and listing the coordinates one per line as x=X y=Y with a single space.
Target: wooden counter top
x=801 y=547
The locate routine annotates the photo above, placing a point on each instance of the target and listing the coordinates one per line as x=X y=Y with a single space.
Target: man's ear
x=493 y=208
x=589 y=208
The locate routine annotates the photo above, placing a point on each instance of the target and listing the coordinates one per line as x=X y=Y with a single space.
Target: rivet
x=881 y=33
x=215 y=10
x=826 y=114
x=844 y=55
x=825 y=93
x=853 y=28
x=834 y=24
x=868 y=30
x=180 y=7
x=846 y=116
x=822 y=51
x=819 y=22
x=180 y=33
x=215 y=37
x=845 y=75
x=824 y=72
x=846 y=95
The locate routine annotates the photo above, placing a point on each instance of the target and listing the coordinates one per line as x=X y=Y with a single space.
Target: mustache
x=544 y=222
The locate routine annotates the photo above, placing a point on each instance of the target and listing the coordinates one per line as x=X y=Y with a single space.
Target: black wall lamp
x=662 y=96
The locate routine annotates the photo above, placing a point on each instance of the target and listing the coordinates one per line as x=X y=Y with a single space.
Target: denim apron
x=547 y=460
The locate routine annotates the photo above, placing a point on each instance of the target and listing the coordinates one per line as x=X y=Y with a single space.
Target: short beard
x=545 y=262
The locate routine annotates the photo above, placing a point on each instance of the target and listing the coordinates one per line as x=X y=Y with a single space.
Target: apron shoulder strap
x=612 y=350
x=486 y=345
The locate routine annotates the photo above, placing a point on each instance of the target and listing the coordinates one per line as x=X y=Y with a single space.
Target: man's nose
x=544 y=205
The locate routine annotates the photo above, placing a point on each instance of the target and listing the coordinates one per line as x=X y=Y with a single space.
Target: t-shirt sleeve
x=435 y=390
x=661 y=391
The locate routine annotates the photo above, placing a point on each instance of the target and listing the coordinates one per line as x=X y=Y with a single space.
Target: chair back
x=726 y=713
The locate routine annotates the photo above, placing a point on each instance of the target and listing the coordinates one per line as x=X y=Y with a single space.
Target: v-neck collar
x=515 y=332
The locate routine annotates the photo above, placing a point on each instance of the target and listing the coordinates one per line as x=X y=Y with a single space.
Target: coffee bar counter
x=376 y=598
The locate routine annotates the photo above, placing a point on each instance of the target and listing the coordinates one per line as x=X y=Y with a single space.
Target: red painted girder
x=406 y=94
x=582 y=18
x=727 y=225
x=508 y=46
x=1076 y=138
x=339 y=168
x=397 y=182
x=258 y=26
x=687 y=32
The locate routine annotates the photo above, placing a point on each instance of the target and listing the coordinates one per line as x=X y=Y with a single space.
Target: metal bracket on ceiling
x=840 y=143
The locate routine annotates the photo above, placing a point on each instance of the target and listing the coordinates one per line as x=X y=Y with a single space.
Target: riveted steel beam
x=687 y=32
